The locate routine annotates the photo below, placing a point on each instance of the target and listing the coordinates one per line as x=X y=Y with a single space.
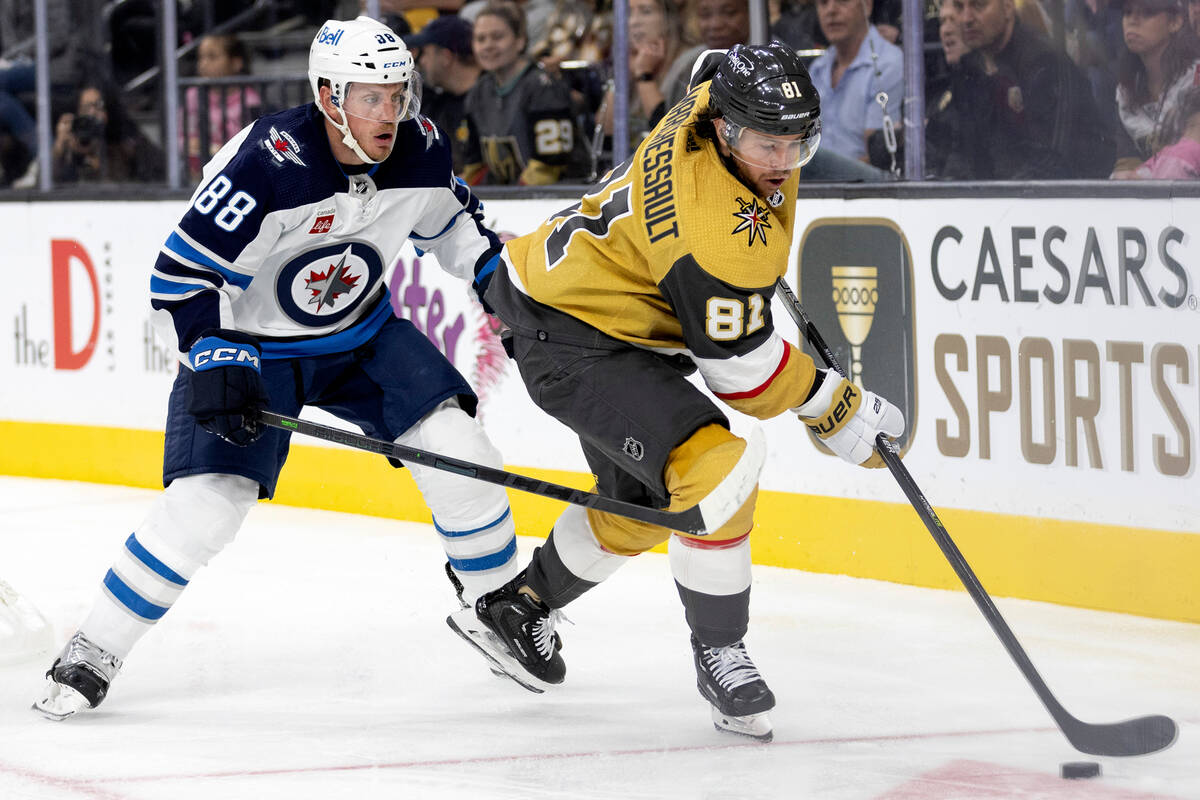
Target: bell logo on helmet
x=330 y=36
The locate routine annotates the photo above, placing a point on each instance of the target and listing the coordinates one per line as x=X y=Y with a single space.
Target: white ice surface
x=312 y=660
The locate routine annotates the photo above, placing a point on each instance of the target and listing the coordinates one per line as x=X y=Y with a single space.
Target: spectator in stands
x=99 y=142
x=521 y=115
x=945 y=88
x=1194 y=15
x=654 y=43
x=851 y=73
x=1030 y=114
x=1179 y=161
x=75 y=51
x=796 y=25
x=1159 y=65
x=447 y=63
x=1094 y=38
x=229 y=108
x=721 y=25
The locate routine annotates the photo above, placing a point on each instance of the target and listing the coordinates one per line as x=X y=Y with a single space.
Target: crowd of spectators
x=523 y=89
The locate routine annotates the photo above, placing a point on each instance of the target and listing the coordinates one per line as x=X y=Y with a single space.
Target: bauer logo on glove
x=847 y=419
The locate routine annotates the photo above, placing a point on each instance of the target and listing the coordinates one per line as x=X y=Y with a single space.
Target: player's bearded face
x=763 y=161
x=374 y=109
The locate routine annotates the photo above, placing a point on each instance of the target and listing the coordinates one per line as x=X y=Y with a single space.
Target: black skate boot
x=78 y=679
x=728 y=679
x=515 y=633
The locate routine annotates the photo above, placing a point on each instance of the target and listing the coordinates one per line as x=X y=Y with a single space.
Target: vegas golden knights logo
x=856 y=284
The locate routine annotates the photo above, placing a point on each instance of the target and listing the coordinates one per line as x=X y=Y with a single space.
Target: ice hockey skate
x=728 y=679
x=78 y=679
x=515 y=633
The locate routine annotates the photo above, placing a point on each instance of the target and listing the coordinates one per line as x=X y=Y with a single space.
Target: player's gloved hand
x=483 y=278
x=848 y=419
x=226 y=388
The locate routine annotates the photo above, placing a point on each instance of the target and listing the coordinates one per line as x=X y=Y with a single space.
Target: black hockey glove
x=226 y=388
x=483 y=278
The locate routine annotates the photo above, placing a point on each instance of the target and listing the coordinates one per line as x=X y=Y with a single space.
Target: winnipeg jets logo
x=326 y=287
x=281 y=145
x=753 y=219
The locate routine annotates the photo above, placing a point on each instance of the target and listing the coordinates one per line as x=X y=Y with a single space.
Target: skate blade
x=755 y=726
x=468 y=626
x=59 y=702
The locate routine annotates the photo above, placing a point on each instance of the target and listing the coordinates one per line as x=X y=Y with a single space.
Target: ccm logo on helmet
x=218 y=356
x=391 y=64
x=327 y=36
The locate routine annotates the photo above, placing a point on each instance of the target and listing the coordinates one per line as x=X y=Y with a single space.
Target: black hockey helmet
x=766 y=88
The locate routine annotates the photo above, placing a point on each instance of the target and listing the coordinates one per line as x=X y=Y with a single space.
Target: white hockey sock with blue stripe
x=483 y=557
x=189 y=523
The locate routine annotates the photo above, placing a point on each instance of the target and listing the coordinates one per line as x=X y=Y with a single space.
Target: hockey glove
x=848 y=419
x=483 y=279
x=226 y=389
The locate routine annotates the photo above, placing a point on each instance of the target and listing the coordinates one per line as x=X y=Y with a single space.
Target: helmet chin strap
x=348 y=137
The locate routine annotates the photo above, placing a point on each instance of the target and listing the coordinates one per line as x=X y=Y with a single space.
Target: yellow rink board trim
x=1132 y=570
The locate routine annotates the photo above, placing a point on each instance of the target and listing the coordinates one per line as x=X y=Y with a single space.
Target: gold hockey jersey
x=673 y=253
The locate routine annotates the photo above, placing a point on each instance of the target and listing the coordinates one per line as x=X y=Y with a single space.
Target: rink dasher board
x=1070 y=454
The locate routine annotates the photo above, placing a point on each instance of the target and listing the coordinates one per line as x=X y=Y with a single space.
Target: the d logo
x=856 y=284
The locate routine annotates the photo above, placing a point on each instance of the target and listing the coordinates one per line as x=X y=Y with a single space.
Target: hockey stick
x=701 y=519
x=1131 y=737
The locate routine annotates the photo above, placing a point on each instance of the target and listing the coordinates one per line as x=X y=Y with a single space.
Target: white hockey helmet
x=361 y=50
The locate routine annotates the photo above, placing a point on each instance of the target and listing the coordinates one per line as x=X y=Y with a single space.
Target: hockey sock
x=713 y=578
x=192 y=520
x=473 y=520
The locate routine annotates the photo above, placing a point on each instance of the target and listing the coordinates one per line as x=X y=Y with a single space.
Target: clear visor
x=383 y=102
x=781 y=153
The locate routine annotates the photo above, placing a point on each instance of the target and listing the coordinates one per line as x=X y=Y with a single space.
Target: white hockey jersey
x=279 y=242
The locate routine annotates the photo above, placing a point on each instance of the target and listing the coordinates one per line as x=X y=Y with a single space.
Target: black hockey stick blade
x=1132 y=737
x=701 y=519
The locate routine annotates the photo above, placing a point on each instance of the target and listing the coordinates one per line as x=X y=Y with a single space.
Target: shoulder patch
x=282 y=146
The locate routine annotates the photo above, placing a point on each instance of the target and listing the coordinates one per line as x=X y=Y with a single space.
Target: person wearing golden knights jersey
x=667 y=266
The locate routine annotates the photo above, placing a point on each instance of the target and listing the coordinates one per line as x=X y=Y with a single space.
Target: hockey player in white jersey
x=272 y=286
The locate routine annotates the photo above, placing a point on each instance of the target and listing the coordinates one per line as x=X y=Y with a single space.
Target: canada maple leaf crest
x=327 y=286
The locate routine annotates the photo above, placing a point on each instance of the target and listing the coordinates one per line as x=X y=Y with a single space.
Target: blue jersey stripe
x=131 y=599
x=354 y=336
x=449 y=225
x=146 y=557
x=176 y=244
x=482 y=563
x=453 y=534
x=161 y=286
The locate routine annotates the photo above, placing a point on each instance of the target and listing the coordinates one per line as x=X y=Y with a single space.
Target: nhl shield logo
x=633 y=448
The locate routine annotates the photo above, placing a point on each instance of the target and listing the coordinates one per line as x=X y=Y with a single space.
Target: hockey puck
x=1080 y=769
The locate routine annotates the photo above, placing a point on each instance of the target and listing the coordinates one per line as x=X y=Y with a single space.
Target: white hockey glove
x=848 y=419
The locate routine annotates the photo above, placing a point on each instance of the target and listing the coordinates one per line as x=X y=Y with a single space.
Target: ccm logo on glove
x=225 y=387
x=207 y=358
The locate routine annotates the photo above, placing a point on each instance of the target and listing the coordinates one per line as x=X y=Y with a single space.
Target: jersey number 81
x=232 y=213
x=725 y=318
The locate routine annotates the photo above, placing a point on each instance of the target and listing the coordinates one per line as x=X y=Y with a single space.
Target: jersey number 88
x=232 y=213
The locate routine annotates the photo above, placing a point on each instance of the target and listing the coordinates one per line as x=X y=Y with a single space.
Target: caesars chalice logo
x=855 y=296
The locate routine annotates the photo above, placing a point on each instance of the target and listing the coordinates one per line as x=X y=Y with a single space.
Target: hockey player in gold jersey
x=665 y=267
